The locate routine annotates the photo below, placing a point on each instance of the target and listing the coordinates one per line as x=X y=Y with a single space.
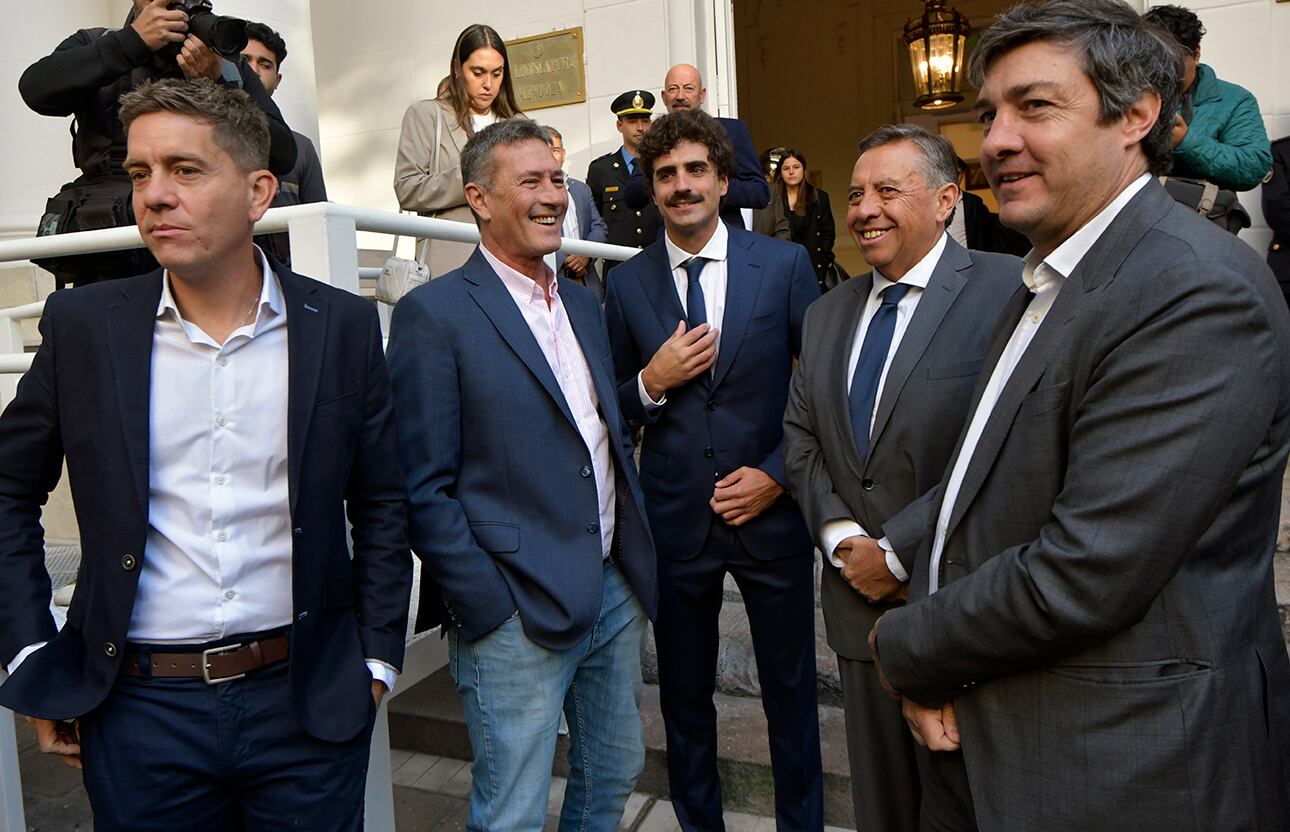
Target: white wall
x=1243 y=43
x=373 y=61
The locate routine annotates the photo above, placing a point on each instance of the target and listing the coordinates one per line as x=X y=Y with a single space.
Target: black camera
x=225 y=36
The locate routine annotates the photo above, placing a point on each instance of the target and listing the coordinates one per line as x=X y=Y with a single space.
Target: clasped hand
x=743 y=494
x=864 y=566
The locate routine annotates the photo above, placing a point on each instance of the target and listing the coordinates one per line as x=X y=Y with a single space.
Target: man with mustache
x=705 y=325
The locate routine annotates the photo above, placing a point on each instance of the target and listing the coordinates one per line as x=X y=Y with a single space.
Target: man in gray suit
x=1093 y=640
x=880 y=391
x=581 y=222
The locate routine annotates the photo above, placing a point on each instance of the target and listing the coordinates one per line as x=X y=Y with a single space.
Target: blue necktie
x=873 y=356
x=695 y=309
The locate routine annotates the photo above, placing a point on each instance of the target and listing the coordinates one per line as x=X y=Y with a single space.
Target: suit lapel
x=496 y=302
x=306 y=345
x=743 y=283
x=1101 y=263
x=660 y=288
x=946 y=282
x=585 y=320
x=839 y=350
x=130 y=345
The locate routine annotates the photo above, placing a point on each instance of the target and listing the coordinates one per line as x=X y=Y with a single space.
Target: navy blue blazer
x=503 y=509
x=719 y=421
x=86 y=398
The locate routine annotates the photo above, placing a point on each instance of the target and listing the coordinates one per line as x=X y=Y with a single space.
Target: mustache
x=683 y=198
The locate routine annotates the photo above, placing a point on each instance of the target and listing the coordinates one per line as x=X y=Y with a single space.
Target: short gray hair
x=1122 y=55
x=477 y=162
x=939 y=165
x=552 y=134
x=240 y=128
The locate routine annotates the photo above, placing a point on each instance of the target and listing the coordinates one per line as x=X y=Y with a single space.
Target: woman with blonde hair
x=427 y=172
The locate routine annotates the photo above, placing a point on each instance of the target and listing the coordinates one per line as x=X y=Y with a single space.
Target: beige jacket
x=427 y=177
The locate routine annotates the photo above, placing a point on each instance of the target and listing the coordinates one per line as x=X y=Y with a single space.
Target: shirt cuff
x=833 y=533
x=383 y=672
x=894 y=565
x=23 y=654
x=646 y=401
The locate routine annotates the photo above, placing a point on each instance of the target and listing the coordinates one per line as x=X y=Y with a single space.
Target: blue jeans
x=514 y=692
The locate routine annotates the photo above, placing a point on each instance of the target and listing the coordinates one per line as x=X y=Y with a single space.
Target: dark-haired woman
x=809 y=217
x=427 y=173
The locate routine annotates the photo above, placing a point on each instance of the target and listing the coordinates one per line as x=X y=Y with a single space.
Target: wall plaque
x=547 y=69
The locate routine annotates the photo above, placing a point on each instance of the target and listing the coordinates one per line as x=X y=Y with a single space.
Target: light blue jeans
x=514 y=692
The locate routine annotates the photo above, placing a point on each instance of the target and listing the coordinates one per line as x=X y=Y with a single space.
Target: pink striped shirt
x=554 y=335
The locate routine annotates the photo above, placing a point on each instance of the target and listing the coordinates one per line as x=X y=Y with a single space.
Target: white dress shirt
x=554 y=334
x=917 y=278
x=1045 y=279
x=712 y=280
x=217 y=557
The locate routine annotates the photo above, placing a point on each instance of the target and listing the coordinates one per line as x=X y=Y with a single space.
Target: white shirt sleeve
x=23 y=654
x=383 y=672
x=649 y=403
x=893 y=563
x=836 y=531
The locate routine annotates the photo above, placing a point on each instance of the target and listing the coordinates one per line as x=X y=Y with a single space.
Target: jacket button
x=110 y=649
x=585 y=472
x=708 y=452
x=638 y=213
x=592 y=528
x=128 y=563
x=640 y=231
x=711 y=406
x=867 y=484
x=613 y=207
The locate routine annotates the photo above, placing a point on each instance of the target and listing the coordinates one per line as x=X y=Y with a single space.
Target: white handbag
x=400 y=275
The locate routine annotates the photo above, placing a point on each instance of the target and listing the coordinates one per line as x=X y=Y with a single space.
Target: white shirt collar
x=714 y=249
x=921 y=274
x=270 y=293
x=1059 y=265
x=519 y=285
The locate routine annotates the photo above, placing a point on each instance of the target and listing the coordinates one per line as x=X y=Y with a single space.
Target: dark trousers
x=780 y=601
x=947 y=801
x=880 y=749
x=167 y=754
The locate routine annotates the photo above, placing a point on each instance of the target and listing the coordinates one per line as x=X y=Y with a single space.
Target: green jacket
x=1225 y=142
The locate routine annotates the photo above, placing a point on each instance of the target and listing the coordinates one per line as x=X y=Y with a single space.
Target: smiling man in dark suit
x=225 y=651
x=705 y=325
x=882 y=386
x=1092 y=640
x=524 y=502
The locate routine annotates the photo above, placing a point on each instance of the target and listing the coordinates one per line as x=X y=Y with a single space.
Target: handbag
x=1218 y=205
x=400 y=275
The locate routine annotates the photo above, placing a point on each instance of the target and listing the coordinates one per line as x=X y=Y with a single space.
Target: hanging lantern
x=936 y=42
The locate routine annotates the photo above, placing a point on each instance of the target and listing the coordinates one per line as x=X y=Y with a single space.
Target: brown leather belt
x=215 y=665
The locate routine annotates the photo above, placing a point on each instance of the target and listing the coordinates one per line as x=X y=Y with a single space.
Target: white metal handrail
x=324 y=245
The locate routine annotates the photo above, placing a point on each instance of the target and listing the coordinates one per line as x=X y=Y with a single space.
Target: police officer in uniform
x=608 y=176
x=1276 y=210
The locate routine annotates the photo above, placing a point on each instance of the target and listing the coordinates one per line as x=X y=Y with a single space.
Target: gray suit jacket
x=923 y=406
x=1107 y=624
x=590 y=228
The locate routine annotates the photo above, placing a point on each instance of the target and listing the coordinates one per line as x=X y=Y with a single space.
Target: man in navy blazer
x=225 y=649
x=524 y=503
x=705 y=325
x=746 y=187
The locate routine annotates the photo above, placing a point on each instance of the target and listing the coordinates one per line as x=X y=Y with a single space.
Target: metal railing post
x=325 y=247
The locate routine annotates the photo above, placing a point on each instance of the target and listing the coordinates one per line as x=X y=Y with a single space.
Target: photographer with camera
x=86 y=76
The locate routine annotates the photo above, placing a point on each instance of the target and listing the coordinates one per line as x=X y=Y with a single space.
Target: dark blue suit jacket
x=730 y=418
x=503 y=505
x=86 y=398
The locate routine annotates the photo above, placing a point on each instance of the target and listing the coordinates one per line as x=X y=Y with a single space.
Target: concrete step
x=428 y=719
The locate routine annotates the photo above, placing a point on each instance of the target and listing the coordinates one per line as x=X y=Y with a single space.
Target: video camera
x=226 y=36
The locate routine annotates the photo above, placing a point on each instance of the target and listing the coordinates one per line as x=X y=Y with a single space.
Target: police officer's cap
x=633 y=103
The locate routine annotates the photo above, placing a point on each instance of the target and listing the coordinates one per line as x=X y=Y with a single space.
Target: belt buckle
x=206 y=666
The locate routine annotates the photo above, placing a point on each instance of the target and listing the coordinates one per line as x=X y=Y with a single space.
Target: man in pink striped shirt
x=525 y=506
